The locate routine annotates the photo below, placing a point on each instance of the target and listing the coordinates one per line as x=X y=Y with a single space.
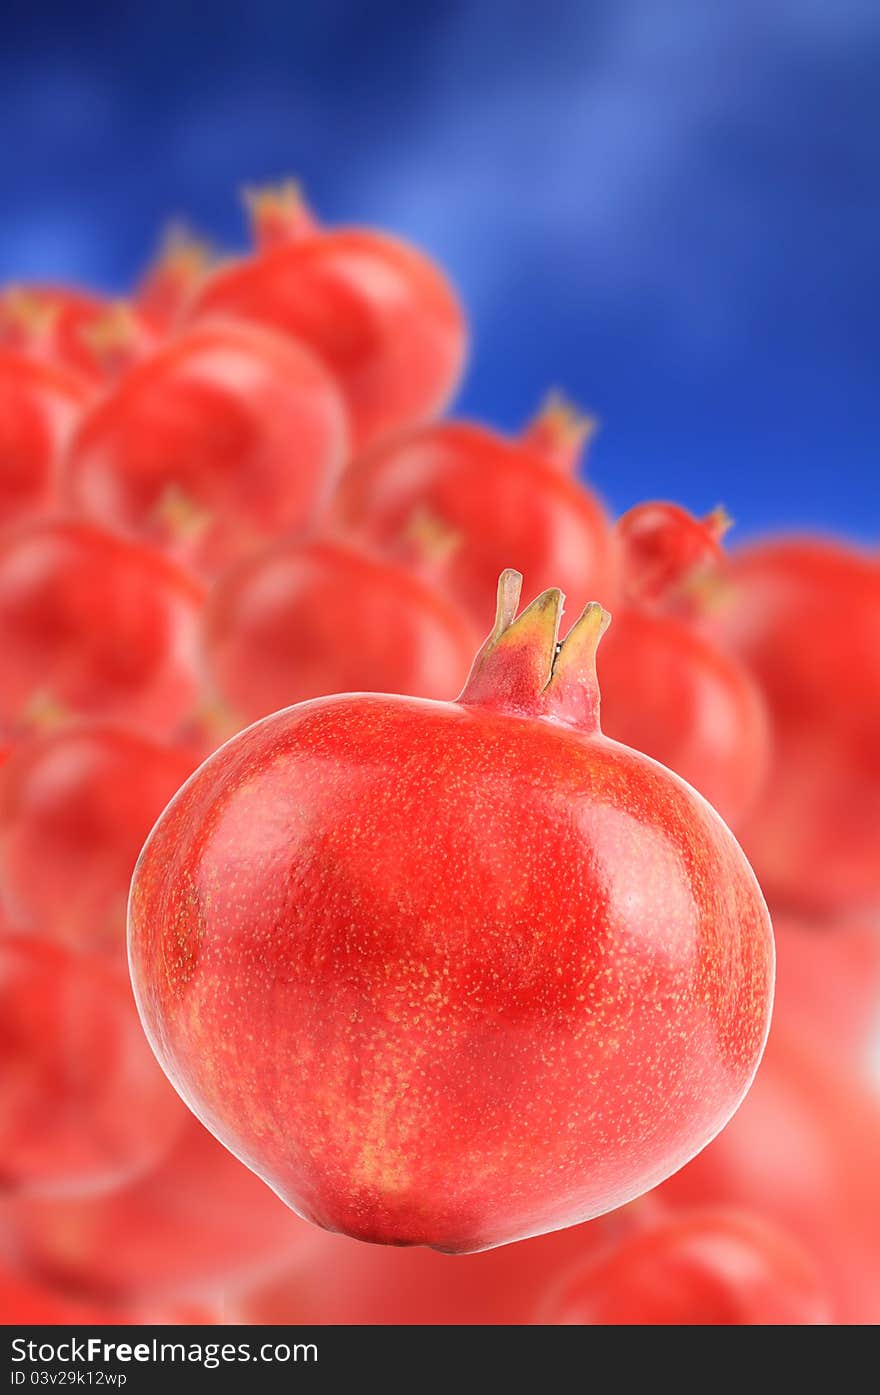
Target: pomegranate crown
x=524 y=668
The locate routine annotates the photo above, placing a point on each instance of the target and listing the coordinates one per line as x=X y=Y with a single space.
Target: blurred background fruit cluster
x=232 y=482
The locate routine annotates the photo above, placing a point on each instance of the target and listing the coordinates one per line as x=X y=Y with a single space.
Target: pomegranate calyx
x=26 y=318
x=428 y=539
x=718 y=522
x=524 y=668
x=178 y=269
x=179 y=515
x=115 y=339
x=560 y=433
x=278 y=214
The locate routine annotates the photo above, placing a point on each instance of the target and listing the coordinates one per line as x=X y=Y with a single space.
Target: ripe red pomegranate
x=381 y=315
x=76 y=804
x=523 y=971
x=805 y=618
x=482 y=500
x=713 y=1268
x=197 y=1223
x=804 y=1153
x=96 y=626
x=273 y=628
x=39 y=405
x=223 y=438
x=82 y=1105
x=828 y=984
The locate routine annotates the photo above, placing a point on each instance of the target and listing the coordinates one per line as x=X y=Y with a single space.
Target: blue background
x=669 y=209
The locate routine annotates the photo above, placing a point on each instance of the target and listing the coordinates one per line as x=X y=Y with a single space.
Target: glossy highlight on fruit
x=804 y=618
x=82 y=1104
x=76 y=803
x=712 y=1268
x=95 y=626
x=39 y=405
x=379 y=313
x=482 y=501
x=225 y=437
x=453 y=973
x=301 y=620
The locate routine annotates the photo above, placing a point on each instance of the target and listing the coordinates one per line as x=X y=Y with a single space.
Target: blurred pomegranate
x=803 y=1152
x=805 y=618
x=199 y=1222
x=704 y=1268
x=462 y=503
x=83 y=1104
x=668 y=688
x=39 y=406
x=301 y=620
x=226 y=436
x=378 y=312
x=95 y=626
x=828 y=984
x=76 y=803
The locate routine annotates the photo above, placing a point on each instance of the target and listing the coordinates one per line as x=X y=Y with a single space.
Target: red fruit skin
x=75 y=807
x=380 y=315
x=804 y=1153
x=670 y=691
x=223 y=438
x=197 y=1223
x=82 y=1104
x=668 y=556
x=523 y=971
x=707 y=1268
x=95 y=626
x=496 y=501
x=273 y=628
x=828 y=985
x=376 y=1285
x=805 y=619
x=39 y=405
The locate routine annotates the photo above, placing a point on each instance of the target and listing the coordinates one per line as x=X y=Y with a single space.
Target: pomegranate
x=805 y=618
x=668 y=688
x=804 y=1153
x=223 y=438
x=76 y=803
x=379 y=313
x=828 y=984
x=713 y=1268
x=273 y=628
x=480 y=501
x=82 y=1104
x=39 y=405
x=196 y=1223
x=453 y=973
x=95 y=626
